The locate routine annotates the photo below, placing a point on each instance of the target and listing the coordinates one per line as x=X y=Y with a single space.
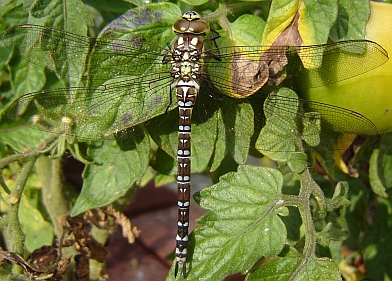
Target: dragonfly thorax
x=186 y=57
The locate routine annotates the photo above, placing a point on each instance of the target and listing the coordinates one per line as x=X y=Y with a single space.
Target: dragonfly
x=127 y=83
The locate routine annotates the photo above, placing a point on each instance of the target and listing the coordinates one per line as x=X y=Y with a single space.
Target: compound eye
x=199 y=27
x=191 y=23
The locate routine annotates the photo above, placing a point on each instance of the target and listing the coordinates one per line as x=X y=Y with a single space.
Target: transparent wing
x=322 y=127
x=60 y=51
x=95 y=112
x=130 y=81
x=325 y=126
x=247 y=68
x=242 y=70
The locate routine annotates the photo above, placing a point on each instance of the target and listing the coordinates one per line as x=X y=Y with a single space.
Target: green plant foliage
x=270 y=223
x=288 y=262
x=381 y=162
x=241 y=214
x=118 y=167
x=376 y=250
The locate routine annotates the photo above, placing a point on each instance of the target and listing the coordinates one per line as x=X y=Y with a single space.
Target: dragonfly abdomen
x=186 y=69
x=186 y=97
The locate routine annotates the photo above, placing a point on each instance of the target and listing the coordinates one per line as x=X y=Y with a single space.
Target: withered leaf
x=130 y=232
x=44 y=256
x=248 y=76
x=82 y=269
x=273 y=61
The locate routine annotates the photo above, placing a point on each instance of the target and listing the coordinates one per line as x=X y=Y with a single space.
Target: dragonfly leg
x=215 y=35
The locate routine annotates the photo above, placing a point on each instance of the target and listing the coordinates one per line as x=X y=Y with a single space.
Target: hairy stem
x=13 y=231
x=49 y=171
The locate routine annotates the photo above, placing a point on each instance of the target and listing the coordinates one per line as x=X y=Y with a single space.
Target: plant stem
x=308 y=188
x=14 y=235
x=49 y=171
x=19 y=157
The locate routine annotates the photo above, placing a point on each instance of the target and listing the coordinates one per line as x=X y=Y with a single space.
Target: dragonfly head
x=191 y=22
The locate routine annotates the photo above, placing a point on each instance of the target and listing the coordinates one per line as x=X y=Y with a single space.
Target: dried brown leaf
x=130 y=232
x=244 y=83
x=273 y=61
x=82 y=266
x=44 y=256
x=79 y=233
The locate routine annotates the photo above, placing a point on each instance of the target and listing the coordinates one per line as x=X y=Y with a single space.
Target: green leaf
x=116 y=7
x=15 y=14
x=152 y=24
x=333 y=225
x=316 y=19
x=195 y=2
x=326 y=160
x=23 y=139
x=297 y=162
x=70 y=16
x=38 y=231
x=202 y=144
x=243 y=224
x=228 y=164
x=161 y=180
x=4 y=54
x=292 y=265
x=233 y=134
x=280 y=16
x=242 y=35
x=292 y=223
x=136 y=2
x=26 y=77
x=275 y=105
x=381 y=166
x=351 y=20
x=164 y=131
x=378 y=241
x=338 y=199
x=314 y=23
x=6 y=275
x=312 y=128
x=120 y=165
x=279 y=136
x=268 y=143
x=164 y=163
x=356 y=212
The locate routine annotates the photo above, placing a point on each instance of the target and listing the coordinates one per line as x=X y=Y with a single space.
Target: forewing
x=240 y=71
x=107 y=58
x=94 y=112
x=49 y=47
